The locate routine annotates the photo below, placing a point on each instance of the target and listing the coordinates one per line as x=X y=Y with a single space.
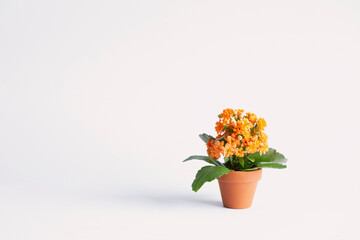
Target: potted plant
x=243 y=144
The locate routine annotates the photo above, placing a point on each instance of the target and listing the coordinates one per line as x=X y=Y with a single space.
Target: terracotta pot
x=238 y=188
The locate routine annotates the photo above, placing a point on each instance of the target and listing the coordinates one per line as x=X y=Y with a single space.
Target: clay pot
x=238 y=188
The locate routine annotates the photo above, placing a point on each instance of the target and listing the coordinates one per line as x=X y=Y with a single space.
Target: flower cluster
x=239 y=133
x=215 y=148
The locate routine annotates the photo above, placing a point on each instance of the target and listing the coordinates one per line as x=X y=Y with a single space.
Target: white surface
x=101 y=101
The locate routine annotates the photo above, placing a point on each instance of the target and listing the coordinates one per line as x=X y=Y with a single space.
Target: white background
x=100 y=101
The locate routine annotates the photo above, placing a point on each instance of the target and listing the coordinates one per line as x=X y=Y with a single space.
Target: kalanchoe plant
x=242 y=143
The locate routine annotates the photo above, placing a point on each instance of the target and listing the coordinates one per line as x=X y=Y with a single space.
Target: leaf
x=204 y=158
x=271 y=156
x=241 y=161
x=248 y=164
x=268 y=165
x=272 y=165
x=205 y=137
x=208 y=174
x=222 y=138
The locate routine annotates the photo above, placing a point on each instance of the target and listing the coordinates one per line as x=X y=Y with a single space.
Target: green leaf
x=268 y=165
x=208 y=174
x=241 y=161
x=272 y=165
x=205 y=137
x=271 y=156
x=248 y=164
x=222 y=138
x=204 y=158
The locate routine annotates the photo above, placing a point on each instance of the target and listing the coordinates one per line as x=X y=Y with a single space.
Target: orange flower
x=243 y=134
x=215 y=148
x=261 y=123
x=252 y=117
x=219 y=126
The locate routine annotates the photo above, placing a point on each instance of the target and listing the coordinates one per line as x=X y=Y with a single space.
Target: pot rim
x=241 y=176
x=247 y=171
